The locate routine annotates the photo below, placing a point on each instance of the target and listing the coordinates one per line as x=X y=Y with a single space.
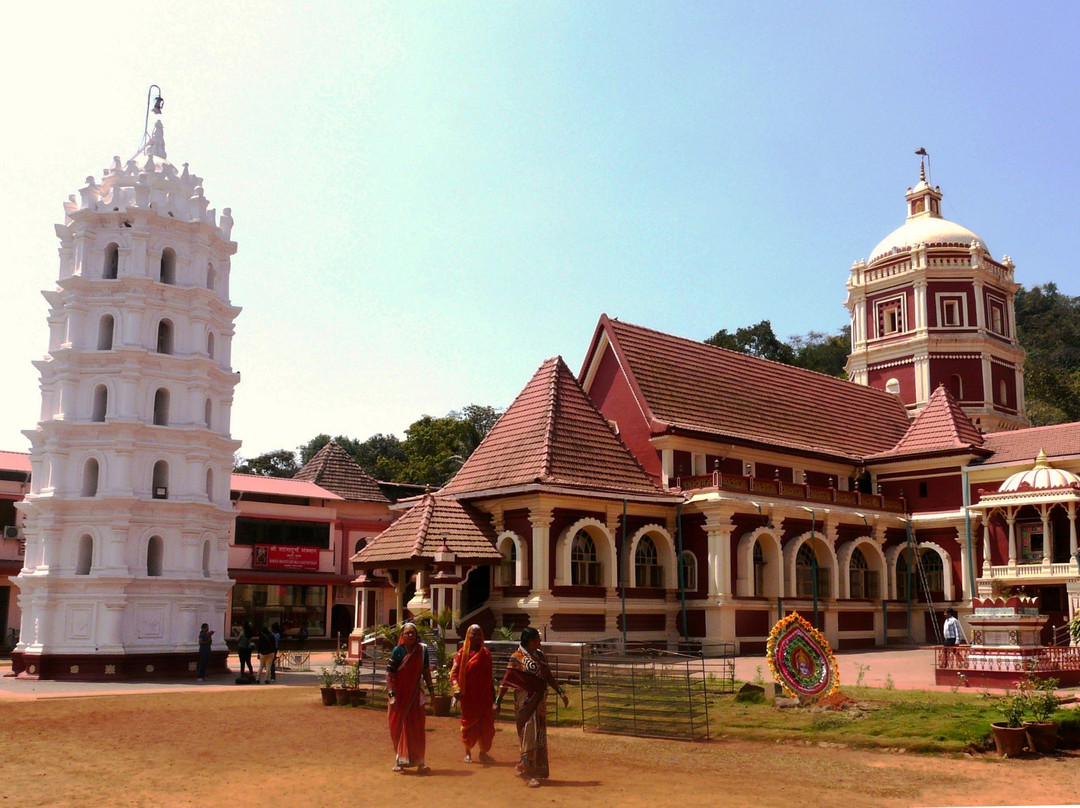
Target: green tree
x=279 y=463
x=825 y=353
x=756 y=340
x=1048 y=326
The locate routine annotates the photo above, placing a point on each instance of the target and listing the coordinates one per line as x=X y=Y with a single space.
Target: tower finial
x=159 y=105
x=923 y=163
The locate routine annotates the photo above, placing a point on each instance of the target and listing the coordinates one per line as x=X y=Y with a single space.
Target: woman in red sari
x=406 y=671
x=529 y=676
x=471 y=680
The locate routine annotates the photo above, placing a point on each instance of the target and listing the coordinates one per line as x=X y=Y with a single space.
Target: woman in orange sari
x=406 y=671
x=471 y=680
x=529 y=676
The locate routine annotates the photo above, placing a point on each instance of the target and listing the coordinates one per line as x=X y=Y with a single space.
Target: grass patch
x=915 y=720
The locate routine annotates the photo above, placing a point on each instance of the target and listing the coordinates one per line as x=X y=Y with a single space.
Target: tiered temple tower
x=128 y=520
x=932 y=307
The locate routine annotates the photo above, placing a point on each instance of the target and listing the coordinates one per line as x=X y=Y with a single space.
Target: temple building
x=679 y=494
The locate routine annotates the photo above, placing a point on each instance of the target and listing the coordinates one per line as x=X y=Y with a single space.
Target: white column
x=1072 y=533
x=1010 y=517
x=718 y=528
x=986 y=547
x=1048 y=540
x=540 y=519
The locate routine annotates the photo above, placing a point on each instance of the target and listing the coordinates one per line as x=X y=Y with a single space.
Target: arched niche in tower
x=160 y=480
x=106 y=327
x=155 y=556
x=84 y=555
x=165 y=337
x=206 y=558
x=100 y=405
x=90 y=474
x=210 y=277
x=161 y=407
x=111 y=266
x=210 y=484
x=210 y=344
x=167 y=270
x=208 y=414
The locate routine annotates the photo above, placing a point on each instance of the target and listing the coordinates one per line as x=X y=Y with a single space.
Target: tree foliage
x=1048 y=326
x=825 y=353
x=278 y=463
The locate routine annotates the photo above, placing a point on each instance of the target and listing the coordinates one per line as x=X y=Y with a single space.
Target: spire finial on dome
x=147 y=141
x=923 y=163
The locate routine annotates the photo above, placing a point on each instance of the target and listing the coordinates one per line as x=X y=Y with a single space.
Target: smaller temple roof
x=336 y=470
x=1020 y=445
x=941 y=427
x=426 y=527
x=553 y=435
x=1042 y=476
x=279 y=487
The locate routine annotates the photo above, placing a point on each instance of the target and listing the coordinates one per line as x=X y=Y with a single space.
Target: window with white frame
x=585 y=565
x=890 y=316
x=688 y=570
x=996 y=308
x=950 y=311
x=508 y=567
x=804 y=574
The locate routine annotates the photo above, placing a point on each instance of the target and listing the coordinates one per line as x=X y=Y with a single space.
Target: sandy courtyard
x=225 y=747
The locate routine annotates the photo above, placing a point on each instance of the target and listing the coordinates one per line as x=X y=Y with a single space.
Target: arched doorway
x=341 y=622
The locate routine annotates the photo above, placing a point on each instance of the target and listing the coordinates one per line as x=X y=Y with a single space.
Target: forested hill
x=1047 y=323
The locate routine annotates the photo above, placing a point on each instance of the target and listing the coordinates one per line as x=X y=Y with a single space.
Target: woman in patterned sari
x=471 y=680
x=406 y=671
x=529 y=676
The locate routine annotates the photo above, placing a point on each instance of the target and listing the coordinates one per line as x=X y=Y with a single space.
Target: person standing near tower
x=206 y=640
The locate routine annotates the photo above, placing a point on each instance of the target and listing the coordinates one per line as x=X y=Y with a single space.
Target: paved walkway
x=908 y=668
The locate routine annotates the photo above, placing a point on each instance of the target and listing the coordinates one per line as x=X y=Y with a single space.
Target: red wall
x=905 y=374
x=613 y=397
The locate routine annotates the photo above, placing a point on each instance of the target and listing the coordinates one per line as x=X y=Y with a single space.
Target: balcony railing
x=1034 y=571
x=785 y=490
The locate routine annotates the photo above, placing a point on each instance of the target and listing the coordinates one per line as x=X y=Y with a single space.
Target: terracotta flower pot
x=342 y=696
x=1041 y=737
x=440 y=705
x=328 y=697
x=1010 y=741
x=357 y=697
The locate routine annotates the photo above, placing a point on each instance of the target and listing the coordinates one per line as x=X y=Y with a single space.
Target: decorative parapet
x=1016 y=605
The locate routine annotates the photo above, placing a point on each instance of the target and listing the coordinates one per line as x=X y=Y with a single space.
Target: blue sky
x=432 y=198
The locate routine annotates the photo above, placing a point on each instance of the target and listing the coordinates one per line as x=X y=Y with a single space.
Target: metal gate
x=646 y=693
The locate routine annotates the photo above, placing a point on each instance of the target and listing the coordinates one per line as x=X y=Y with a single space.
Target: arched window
x=165 y=337
x=508 y=567
x=90 y=478
x=956 y=386
x=210 y=344
x=360 y=545
x=865 y=582
x=932 y=568
x=584 y=566
x=84 y=557
x=208 y=413
x=111 y=267
x=759 y=569
x=210 y=276
x=210 y=484
x=893 y=386
x=101 y=403
x=689 y=571
x=206 y=558
x=105 y=333
x=168 y=266
x=160 y=483
x=161 y=407
x=155 y=553
x=647 y=570
x=804 y=574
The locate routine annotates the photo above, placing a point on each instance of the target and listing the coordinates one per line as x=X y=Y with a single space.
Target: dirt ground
x=280 y=745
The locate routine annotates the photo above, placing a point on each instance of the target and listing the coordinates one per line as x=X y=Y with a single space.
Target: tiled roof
x=336 y=470
x=940 y=427
x=552 y=434
x=279 y=487
x=15 y=461
x=1023 y=445
x=689 y=385
x=423 y=529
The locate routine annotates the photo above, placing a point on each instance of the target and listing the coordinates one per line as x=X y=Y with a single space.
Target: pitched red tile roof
x=279 y=486
x=15 y=461
x=336 y=470
x=1023 y=445
x=689 y=385
x=552 y=434
x=423 y=529
x=941 y=427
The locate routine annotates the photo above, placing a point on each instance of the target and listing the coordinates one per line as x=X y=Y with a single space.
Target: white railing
x=1034 y=570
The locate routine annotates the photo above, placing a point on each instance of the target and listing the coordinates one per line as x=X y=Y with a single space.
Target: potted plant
x=433 y=633
x=352 y=685
x=341 y=689
x=1009 y=735
x=1042 y=702
x=327 y=678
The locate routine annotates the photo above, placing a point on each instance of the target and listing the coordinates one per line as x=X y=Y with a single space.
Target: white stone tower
x=128 y=520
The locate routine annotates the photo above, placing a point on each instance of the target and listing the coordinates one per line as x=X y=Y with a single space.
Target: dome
x=1042 y=477
x=930 y=230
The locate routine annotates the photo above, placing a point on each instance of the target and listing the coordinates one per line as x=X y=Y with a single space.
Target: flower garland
x=801 y=660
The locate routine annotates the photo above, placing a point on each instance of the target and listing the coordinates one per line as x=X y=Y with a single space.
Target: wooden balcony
x=794 y=491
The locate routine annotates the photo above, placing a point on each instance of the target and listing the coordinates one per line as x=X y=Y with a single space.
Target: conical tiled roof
x=690 y=385
x=423 y=529
x=335 y=470
x=552 y=434
x=942 y=426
